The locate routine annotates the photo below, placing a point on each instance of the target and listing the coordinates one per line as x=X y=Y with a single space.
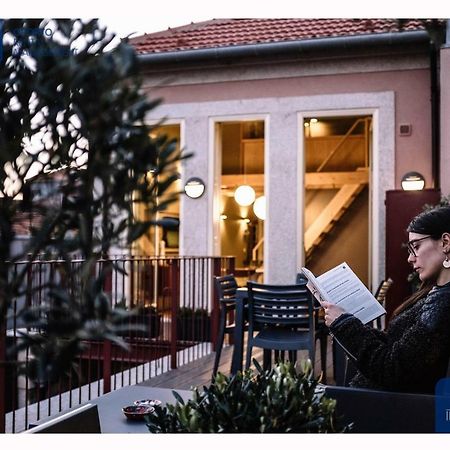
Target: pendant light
x=259 y=207
x=244 y=195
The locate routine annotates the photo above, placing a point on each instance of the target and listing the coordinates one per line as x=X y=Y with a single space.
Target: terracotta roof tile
x=232 y=32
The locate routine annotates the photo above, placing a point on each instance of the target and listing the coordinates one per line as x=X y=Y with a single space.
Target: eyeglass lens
x=411 y=245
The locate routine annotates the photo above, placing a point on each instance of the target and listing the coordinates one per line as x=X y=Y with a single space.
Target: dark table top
x=112 y=419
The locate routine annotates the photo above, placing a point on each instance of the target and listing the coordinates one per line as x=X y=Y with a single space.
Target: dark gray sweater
x=411 y=355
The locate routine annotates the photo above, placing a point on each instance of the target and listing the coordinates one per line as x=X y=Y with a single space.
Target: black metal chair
x=380 y=295
x=373 y=411
x=284 y=316
x=226 y=291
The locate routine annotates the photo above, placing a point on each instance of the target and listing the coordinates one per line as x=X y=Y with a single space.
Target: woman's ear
x=446 y=242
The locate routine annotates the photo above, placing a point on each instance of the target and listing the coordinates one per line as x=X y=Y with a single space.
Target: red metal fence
x=177 y=313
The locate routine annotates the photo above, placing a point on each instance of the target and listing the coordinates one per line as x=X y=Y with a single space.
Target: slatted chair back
x=280 y=305
x=226 y=287
x=382 y=290
x=380 y=295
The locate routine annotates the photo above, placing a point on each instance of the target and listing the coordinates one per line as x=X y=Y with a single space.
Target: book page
x=345 y=289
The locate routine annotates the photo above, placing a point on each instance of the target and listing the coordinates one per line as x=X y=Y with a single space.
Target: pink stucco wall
x=445 y=119
x=412 y=100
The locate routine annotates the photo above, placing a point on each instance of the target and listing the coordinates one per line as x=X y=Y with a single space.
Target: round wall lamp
x=413 y=181
x=244 y=195
x=194 y=187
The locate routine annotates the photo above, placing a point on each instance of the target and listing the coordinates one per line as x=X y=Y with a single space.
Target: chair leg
x=312 y=354
x=276 y=355
x=248 y=358
x=292 y=356
x=219 y=340
x=267 y=359
x=249 y=353
x=323 y=355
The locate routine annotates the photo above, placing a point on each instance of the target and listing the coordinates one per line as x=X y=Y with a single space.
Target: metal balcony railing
x=177 y=313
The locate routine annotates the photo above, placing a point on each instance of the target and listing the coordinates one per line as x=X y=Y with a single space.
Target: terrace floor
x=198 y=372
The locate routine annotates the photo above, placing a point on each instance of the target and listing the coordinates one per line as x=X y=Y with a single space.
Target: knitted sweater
x=411 y=355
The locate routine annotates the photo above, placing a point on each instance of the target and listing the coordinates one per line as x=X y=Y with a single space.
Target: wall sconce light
x=413 y=181
x=194 y=187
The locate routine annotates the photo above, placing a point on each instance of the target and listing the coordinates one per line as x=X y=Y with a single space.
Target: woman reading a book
x=413 y=353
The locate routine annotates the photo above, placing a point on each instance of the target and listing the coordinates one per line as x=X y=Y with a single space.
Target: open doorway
x=242 y=205
x=337 y=186
x=159 y=240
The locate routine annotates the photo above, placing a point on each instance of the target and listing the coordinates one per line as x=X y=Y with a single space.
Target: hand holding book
x=340 y=286
x=332 y=312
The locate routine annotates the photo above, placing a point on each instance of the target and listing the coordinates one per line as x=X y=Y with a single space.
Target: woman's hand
x=332 y=312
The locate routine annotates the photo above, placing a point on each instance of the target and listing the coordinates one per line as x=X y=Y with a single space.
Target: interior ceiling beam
x=313 y=180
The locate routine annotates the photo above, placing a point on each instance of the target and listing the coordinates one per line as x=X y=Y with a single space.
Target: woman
x=412 y=354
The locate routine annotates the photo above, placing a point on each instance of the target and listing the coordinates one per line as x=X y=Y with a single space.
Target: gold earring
x=446 y=263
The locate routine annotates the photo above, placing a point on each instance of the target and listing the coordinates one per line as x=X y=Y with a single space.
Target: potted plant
x=281 y=400
x=193 y=324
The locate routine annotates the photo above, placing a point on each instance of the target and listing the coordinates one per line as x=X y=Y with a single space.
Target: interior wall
x=235 y=230
x=349 y=156
x=346 y=242
x=315 y=201
x=231 y=144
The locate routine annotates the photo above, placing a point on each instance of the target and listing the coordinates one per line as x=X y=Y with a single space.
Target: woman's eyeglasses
x=412 y=245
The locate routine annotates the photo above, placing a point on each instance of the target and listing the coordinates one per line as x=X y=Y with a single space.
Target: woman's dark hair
x=433 y=222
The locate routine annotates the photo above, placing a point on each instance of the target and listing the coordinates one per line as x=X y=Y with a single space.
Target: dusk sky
x=145 y=16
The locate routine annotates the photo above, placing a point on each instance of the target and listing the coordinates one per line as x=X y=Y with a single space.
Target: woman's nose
x=411 y=257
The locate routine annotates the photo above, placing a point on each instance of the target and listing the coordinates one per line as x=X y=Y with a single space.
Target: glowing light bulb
x=244 y=195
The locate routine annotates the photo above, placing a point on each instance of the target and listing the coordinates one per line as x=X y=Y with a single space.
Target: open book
x=342 y=287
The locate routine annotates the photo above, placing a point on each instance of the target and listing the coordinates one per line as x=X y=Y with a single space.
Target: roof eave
x=297 y=47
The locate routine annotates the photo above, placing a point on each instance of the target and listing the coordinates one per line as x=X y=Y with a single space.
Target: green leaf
x=178 y=397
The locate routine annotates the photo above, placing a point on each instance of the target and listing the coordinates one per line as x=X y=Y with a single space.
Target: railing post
x=175 y=300
x=3 y=329
x=2 y=374
x=215 y=307
x=106 y=266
